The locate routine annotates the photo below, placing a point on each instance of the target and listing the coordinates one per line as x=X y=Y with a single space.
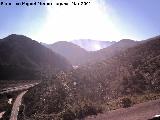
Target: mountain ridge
x=72 y=52
x=22 y=53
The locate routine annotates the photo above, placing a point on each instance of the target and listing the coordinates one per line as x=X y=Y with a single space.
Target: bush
x=126 y=102
x=68 y=115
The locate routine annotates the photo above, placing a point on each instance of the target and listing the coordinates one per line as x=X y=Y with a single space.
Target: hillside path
x=143 y=111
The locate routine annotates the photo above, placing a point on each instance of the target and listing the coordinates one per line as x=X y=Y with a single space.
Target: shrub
x=68 y=115
x=126 y=102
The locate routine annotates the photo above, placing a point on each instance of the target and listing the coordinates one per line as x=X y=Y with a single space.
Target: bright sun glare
x=97 y=47
x=77 y=22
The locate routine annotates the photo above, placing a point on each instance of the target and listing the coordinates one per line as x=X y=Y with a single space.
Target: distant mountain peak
x=127 y=40
x=92 y=45
x=16 y=36
x=68 y=45
x=70 y=51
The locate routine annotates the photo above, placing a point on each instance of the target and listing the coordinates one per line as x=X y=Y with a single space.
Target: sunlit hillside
x=90 y=89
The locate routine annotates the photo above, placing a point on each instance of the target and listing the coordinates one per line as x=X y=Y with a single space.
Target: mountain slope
x=135 y=71
x=73 y=53
x=78 y=56
x=112 y=50
x=23 y=58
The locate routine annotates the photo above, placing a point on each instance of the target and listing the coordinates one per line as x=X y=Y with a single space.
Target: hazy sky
x=99 y=20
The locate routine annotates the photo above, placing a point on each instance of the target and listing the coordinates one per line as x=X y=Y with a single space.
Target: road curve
x=16 y=105
x=143 y=111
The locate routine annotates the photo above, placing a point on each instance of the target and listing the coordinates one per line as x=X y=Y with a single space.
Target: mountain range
x=124 y=69
x=77 y=55
x=86 y=90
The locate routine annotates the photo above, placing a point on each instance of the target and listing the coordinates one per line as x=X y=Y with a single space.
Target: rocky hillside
x=134 y=71
x=88 y=89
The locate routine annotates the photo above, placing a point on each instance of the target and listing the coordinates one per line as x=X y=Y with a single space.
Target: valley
x=63 y=81
x=80 y=60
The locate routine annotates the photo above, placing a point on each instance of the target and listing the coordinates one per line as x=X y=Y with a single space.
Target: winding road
x=143 y=111
x=13 y=89
x=16 y=105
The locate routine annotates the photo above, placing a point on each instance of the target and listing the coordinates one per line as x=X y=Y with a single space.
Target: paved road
x=143 y=111
x=16 y=105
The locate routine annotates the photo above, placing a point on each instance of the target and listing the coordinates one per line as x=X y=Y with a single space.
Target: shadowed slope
x=24 y=58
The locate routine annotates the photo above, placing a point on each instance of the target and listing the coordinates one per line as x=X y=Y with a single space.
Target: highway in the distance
x=13 y=89
x=17 y=103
